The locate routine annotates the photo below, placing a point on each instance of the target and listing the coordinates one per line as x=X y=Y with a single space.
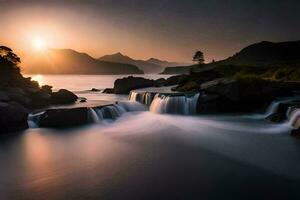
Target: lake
x=145 y=155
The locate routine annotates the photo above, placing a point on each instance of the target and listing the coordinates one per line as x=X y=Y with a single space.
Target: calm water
x=85 y=82
x=143 y=155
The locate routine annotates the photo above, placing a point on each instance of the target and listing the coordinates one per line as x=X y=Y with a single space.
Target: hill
x=262 y=54
x=68 y=61
x=149 y=66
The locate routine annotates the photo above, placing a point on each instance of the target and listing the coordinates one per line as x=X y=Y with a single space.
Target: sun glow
x=39 y=44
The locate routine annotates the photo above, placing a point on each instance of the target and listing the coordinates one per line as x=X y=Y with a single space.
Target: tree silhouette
x=199 y=57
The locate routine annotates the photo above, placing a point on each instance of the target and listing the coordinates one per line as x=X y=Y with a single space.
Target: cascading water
x=142 y=97
x=93 y=116
x=33 y=120
x=294 y=117
x=175 y=104
x=132 y=106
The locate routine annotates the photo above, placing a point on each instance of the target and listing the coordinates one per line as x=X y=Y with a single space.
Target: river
x=145 y=155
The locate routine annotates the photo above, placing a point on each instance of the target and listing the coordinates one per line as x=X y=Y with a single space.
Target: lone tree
x=199 y=57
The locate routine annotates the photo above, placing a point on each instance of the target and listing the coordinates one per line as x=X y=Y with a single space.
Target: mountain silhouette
x=151 y=65
x=68 y=61
x=260 y=54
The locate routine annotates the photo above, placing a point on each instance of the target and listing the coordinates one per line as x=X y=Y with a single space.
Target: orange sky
x=60 y=28
x=166 y=29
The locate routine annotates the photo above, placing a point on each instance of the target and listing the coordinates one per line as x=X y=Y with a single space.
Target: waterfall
x=272 y=108
x=142 y=97
x=112 y=111
x=33 y=120
x=132 y=106
x=133 y=96
x=294 y=117
x=93 y=116
x=274 y=105
x=174 y=104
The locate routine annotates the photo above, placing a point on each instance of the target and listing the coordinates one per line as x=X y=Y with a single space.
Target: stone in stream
x=63 y=118
x=125 y=85
x=63 y=96
x=13 y=117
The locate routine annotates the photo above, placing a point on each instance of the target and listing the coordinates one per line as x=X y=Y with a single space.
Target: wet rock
x=190 y=86
x=63 y=118
x=95 y=90
x=224 y=87
x=125 y=85
x=160 y=82
x=13 y=117
x=208 y=103
x=175 y=80
x=108 y=90
x=63 y=97
x=4 y=96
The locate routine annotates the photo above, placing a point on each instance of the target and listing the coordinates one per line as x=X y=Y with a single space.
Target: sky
x=165 y=29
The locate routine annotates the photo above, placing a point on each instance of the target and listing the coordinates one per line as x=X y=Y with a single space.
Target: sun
x=39 y=44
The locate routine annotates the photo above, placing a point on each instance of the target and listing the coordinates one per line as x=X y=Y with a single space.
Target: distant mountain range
x=68 y=61
x=258 y=54
x=149 y=66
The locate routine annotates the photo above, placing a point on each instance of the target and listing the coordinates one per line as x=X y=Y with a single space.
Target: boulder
x=175 y=80
x=227 y=88
x=40 y=99
x=125 y=85
x=13 y=117
x=160 y=82
x=282 y=112
x=190 y=86
x=19 y=95
x=4 y=96
x=63 y=97
x=207 y=104
x=63 y=118
x=108 y=90
x=95 y=90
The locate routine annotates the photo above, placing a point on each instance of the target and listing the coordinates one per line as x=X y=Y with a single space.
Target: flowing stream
x=154 y=148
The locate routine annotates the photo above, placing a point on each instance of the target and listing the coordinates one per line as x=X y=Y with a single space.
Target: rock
x=63 y=118
x=190 y=86
x=95 y=90
x=208 y=104
x=108 y=90
x=47 y=89
x=160 y=82
x=125 y=85
x=40 y=99
x=63 y=97
x=13 y=117
x=175 y=80
x=82 y=99
x=4 y=96
x=19 y=95
x=281 y=114
x=223 y=87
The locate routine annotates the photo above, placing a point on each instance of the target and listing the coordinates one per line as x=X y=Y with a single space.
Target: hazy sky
x=166 y=29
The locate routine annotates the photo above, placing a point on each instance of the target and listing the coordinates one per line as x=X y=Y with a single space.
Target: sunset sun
x=39 y=44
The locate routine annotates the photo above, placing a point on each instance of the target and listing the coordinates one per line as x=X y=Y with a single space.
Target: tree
x=199 y=57
x=8 y=54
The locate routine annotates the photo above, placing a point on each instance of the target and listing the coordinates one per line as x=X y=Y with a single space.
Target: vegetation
x=199 y=57
x=10 y=73
x=283 y=73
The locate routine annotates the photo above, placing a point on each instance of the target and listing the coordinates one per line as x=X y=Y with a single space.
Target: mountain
x=262 y=54
x=68 y=61
x=149 y=66
x=164 y=63
x=267 y=54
